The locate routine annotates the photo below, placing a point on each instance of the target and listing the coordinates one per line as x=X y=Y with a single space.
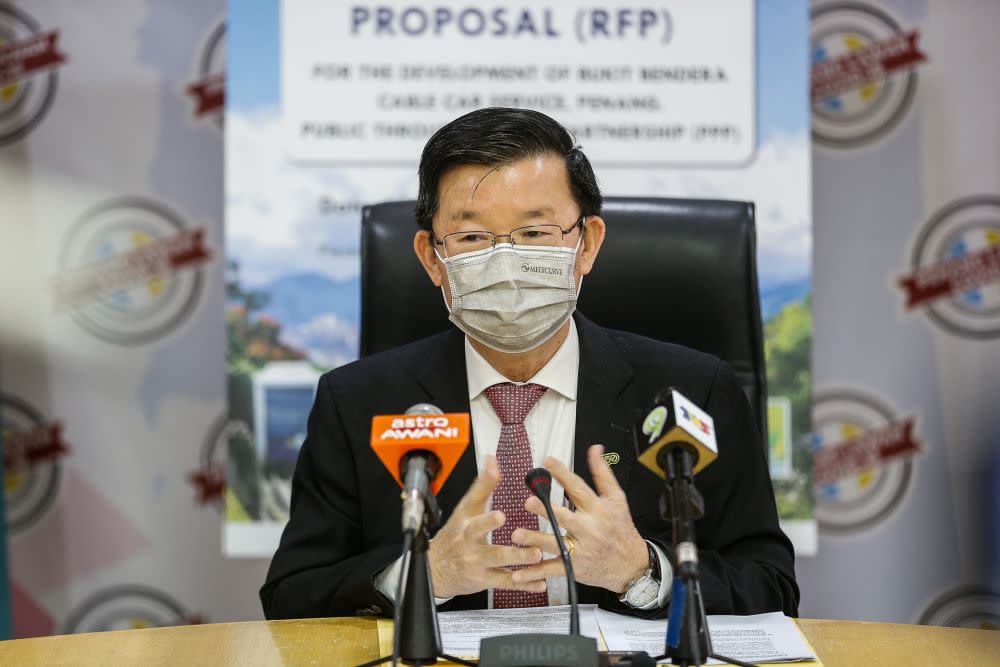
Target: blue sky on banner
x=262 y=187
x=255 y=43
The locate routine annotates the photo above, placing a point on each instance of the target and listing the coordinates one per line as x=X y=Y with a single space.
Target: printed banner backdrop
x=112 y=335
x=331 y=109
x=906 y=176
x=4 y=570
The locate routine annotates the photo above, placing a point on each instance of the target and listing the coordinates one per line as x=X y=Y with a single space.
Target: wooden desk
x=342 y=642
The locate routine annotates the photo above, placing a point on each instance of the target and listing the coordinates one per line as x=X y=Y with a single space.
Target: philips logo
x=527 y=268
x=539 y=653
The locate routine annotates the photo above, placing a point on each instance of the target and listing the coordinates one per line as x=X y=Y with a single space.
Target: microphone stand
x=534 y=649
x=688 y=642
x=419 y=634
x=416 y=634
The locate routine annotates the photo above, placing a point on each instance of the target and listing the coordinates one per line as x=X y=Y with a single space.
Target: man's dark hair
x=495 y=137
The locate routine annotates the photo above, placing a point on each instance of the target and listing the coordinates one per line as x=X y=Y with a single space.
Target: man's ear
x=423 y=246
x=593 y=238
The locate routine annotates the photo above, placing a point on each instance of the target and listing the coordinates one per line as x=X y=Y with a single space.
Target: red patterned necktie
x=512 y=403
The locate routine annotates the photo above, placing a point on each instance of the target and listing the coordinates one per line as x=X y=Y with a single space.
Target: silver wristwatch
x=646 y=588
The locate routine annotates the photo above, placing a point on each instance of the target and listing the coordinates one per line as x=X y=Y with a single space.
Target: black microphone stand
x=419 y=634
x=688 y=642
x=416 y=633
x=534 y=649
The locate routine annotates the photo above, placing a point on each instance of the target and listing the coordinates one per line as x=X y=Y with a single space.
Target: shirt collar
x=559 y=374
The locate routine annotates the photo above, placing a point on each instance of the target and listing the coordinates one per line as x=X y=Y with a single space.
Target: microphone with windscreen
x=420 y=449
x=676 y=440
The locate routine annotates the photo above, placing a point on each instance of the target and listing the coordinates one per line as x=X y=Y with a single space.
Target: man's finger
x=498 y=577
x=577 y=490
x=547 y=569
x=474 y=500
x=505 y=556
x=605 y=480
x=479 y=525
x=534 y=538
x=566 y=518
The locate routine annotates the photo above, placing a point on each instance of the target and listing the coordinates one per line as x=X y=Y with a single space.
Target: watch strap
x=654 y=562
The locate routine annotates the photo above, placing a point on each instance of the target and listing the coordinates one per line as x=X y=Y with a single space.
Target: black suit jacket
x=345 y=508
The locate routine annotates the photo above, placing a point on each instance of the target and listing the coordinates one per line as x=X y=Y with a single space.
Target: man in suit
x=509 y=216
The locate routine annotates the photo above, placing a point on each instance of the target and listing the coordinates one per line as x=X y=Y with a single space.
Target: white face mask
x=512 y=298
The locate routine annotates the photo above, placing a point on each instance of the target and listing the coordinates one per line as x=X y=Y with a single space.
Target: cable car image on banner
x=283 y=393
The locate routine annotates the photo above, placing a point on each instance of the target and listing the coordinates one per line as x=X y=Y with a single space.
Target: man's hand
x=610 y=553
x=460 y=559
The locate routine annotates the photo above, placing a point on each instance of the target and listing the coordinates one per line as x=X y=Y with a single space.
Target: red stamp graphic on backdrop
x=871 y=449
x=131 y=270
x=954 y=274
x=209 y=90
x=209 y=483
x=863 y=73
x=140 y=265
x=866 y=65
x=29 y=56
x=209 y=479
x=29 y=60
x=34 y=448
x=863 y=457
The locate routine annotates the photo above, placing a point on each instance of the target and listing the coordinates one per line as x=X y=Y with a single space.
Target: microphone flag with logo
x=445 y=436
x=675 y=420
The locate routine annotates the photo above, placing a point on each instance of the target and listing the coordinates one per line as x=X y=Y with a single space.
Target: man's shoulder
x=385 y=369
x=642 y=351
x=656 y=363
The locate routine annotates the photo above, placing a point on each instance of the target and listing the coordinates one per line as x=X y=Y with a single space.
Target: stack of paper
x=761 y=638
x=757 y=639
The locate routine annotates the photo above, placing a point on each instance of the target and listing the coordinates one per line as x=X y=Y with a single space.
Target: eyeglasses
x=457 y=243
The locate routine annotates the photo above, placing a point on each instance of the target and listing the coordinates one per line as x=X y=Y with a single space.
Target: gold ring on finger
x=570 y=544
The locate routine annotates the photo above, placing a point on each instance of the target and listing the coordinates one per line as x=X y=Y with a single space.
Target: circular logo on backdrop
x=126 y=608
x=130 y=270
x=965 y=607
x=28 y=80
x=955 y=268
x=862 y=460
x=32 y=449
x=209 y=90
x=863 y=78
x=209 y=480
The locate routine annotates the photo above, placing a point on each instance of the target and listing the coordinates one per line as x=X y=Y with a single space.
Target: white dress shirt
x=551 y=427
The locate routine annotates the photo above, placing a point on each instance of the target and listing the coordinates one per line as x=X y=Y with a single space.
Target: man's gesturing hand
x=610 y=553
x=461 y=560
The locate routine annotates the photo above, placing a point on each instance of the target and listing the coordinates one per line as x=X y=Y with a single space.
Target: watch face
x=643 y=591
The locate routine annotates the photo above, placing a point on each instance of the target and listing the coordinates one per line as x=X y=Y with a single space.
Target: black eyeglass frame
x=510 y=236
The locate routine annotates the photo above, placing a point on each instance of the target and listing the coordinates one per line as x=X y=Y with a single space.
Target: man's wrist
x=644 y=591
x=642 y=565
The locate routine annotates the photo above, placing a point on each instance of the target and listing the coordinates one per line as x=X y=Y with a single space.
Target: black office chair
x=678 y=270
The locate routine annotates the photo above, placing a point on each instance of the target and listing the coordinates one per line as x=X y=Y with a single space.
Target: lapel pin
x=612 y=458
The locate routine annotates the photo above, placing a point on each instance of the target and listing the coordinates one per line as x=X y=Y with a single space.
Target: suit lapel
x=443 y=377
x=603 y=412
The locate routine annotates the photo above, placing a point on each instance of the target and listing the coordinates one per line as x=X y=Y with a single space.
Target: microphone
x=520 y=650
x=539 y=482
x=680 y=439
x=420 y=449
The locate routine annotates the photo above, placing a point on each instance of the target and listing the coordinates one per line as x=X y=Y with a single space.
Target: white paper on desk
x=461 y=631
x=762 y=638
